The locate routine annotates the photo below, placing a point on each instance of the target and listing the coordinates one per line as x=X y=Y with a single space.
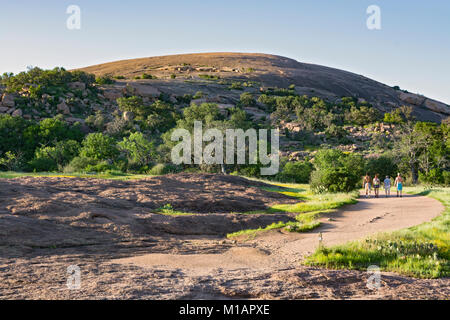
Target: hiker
x=399 y=185
x=366 y=185
x=387 y=186
x=376 y=186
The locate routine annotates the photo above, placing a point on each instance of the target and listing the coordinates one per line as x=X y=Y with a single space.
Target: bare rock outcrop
x=142 y=89
x=63 y=108
x=8 y=100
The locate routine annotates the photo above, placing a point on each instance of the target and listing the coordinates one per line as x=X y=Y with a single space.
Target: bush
x=79 y=164
x=296 y=172
x=336 y=171
x=138 y=149
x=11 y=161
x=98 y=146
x=162 y=169
x=247 y=100
x=102 y=166
x=148 y=76
x=384 y=166
x=236 y=86
x=104 y=80
x=135 y=105
x=54 y=158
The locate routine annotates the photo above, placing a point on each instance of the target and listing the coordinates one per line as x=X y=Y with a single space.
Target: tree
x=297 y=172
x=54 y=158
x=135 y=105
x=11 y=161
x=336 y=171
x=138 y=149
x=384 y=165
x=247 y=100
x=422 y=148
x=98 y=146
x=399 y=116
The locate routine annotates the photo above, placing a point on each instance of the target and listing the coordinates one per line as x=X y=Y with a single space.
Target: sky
x=411 y=50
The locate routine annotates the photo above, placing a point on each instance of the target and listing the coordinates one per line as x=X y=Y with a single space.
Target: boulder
x=77 y=85
x=8 y=100
x=3 y=109
x=17 y=113
x=63 y=108
x=199 y=101
x=112 y=94
x=173 y=99
x=412 y=98
x=72 y=120
x=255 y=113
x=128 y=116
x=144 y=90
x=437 y=106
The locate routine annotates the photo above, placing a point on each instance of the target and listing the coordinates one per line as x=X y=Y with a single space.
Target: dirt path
x=277 y=250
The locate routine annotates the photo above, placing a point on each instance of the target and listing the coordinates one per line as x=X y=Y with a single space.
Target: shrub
x=336 y=171
x=236 y=86
x=79 y=164
x=247 y=100
x=104 y=80
x=54 y=158
x=162 y=169
x=208 y=77
x=148 y=76
x=11 y=161
x=98 y=146
x=138 y=149
x=297 y=172
x=384 y=166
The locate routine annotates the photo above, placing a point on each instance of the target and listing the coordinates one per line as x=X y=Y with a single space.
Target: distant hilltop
x=165 y=73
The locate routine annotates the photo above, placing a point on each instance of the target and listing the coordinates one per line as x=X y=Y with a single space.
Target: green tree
x=54 y=158
x=138 y=149
x=135 y=105
x=98 y=146
x=383 y=165
x=247 y=100
x=336 y=171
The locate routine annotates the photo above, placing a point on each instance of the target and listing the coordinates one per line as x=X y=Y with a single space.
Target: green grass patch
x=311 y=207
x=168 y=210
x=421 y=251
x=311 y=202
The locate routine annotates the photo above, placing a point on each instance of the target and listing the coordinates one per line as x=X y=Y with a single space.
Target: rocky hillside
x=188 y=73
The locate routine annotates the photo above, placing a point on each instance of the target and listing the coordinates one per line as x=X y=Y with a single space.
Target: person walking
x=376 y=186
x=399 y=185
x=387 y=186
x=366 y=185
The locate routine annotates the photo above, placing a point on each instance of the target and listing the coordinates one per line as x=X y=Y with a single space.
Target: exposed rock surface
x=269 y=71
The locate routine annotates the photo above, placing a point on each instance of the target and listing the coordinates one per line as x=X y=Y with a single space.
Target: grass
x=310 y=202
x=168 y=210
x=421 y=251
x=309 y=210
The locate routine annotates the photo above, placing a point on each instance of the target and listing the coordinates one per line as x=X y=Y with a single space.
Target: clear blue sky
x=411 y=50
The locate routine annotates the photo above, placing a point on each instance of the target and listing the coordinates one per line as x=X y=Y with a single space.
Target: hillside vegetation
x=110 y=121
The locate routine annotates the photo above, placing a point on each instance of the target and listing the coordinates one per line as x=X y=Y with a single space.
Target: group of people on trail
x=368 y=183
